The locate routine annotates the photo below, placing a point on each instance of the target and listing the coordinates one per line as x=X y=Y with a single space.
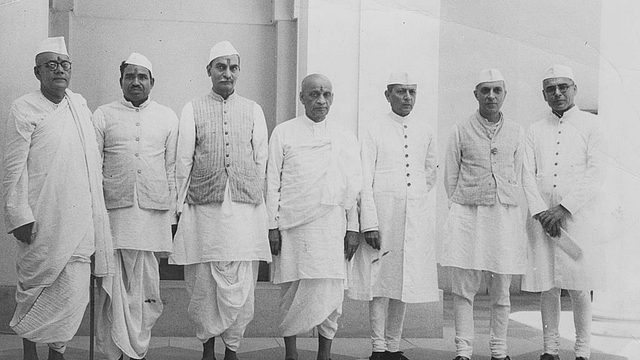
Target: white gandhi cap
x=489 y=75
x=54 y=45
x=558 y=71
x=223 y=48
x=141 y=60
x=400 y=78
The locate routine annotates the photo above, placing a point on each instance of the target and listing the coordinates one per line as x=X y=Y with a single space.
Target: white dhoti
x=53 y=314
x=221 y=298
x=125 y=319
x=311 y=302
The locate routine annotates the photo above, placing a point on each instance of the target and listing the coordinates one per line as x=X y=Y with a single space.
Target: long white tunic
x=147 y=136
x=565 y=163
x=308 y=209
x=484 y=237
x=399 y=170
x=227 y=231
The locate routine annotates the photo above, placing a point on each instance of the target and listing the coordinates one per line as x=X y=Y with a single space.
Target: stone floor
x=525 y=339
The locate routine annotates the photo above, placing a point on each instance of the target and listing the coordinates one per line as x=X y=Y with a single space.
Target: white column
x=617 y=311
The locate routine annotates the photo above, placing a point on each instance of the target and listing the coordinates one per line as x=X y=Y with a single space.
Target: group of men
x=106 y=193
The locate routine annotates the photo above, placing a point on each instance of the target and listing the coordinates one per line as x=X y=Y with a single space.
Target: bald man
x=313 y=178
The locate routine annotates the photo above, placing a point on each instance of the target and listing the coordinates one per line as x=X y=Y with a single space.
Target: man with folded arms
x=54 y=205
x=565 y=167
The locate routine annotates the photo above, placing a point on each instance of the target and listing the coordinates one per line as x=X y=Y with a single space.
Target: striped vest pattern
x=223 y=151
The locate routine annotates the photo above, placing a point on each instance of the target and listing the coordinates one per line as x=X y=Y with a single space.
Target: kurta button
x=554 y=186
x=137 y=138
x=226 y=133
x=227 y=144
x=405 y=136
x=494 y=151
x=137 y=110
x=228 y=165
x=407 y=165
x=556 y=164
x=137 y=124
x=225 y=123
x=406 y=155
x=137 y=155
x=408 y=184
x=139 y=171
x=406 y=146
x=555 y=174
x=227 y=155
x=225 y=111
x=408 y=174
x=405 y=126
x=558 y=143
x=559 y=132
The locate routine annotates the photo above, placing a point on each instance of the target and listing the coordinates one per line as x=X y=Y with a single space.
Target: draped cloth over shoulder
x=316 y=176
x=65 y=198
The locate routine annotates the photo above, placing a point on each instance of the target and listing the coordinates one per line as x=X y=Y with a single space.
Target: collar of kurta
x=219 y=98
x=486 y=122
x=312 y=123
x=398 y=118
x=574 y=109
x=129 y=105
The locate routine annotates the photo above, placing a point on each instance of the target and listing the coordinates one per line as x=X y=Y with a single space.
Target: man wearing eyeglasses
x=137 y=139
x=564 y=170
x=484 y=231
x=54 y=205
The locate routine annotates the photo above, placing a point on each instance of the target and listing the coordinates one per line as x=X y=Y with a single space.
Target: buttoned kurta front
x=139 y=143
x=399 y=170
x=565 y=163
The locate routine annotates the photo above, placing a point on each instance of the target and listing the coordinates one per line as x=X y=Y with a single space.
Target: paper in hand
x=567 y=244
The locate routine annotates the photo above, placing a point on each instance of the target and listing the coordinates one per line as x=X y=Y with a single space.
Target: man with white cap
x=313 y=178
x=222 y=232
x=565 y=167
x=398 y=266
x=137 y=139
x=484 y=231
x=54 y=205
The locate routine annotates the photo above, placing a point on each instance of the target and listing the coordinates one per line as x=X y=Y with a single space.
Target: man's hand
x=351 y=243
x=275 y=241
x=23 y=233
x=553 y=219
x=372 y=238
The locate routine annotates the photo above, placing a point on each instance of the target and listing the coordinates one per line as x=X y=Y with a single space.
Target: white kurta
x=227 y=231
x=399 y=170
x=565 y=163
x=484 y=237
x=312 y=233
x=52 y=178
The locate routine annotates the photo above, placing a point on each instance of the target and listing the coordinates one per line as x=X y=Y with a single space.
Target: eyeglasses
x=550 y=90
x=53 y=65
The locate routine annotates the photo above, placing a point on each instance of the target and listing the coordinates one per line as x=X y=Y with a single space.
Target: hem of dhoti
x=515 y=271
x=174 y=261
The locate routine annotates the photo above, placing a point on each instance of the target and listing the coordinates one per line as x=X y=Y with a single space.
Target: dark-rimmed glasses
x=550 y=90
x=53 y=65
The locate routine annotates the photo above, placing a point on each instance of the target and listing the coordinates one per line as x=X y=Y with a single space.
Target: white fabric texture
x=311 y=302
x=399 y=164
x=221 y=299
x=145 y=137
x=52 y=178
x=565 y=163
x=550 y=309
x=386 y=317
x=465 y=286
x=227 y=231
x=53 y=314
x=126 y=314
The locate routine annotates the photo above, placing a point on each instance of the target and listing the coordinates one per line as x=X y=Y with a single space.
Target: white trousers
x=550 y=309
x=386 y=317
x=465 y=283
